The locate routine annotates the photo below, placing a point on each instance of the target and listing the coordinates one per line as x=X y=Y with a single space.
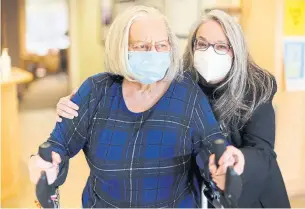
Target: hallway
x=37 y=119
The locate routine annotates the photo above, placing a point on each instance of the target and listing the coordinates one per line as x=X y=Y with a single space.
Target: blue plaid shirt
x=143 y=159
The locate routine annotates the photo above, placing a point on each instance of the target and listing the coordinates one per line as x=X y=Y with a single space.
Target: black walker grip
x=219 y=147
x=44 y=191
x=233 y=186
x=45 y=152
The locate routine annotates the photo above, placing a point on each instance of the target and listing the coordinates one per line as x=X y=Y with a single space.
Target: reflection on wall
x=46 y=26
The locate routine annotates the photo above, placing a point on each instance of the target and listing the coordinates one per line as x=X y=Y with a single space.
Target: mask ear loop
x=193 y=43
x=229 y=77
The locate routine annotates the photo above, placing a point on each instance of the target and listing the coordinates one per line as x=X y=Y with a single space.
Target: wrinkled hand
x=231 y=157
x=66 y=108
x=37 y=165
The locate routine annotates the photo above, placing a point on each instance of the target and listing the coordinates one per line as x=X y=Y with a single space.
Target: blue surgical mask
x=148 y=67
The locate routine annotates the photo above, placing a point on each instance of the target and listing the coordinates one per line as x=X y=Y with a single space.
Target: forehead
x=148 y=29
x=211 y=31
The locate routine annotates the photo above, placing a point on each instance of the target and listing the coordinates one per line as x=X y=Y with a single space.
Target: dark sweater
x=263 y=185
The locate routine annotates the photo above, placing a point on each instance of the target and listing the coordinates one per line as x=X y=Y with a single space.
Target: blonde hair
x=245 y=77
x=116 y=45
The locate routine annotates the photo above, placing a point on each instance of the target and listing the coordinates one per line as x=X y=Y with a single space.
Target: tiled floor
x=35 y=126
x=78 y=172
x=45 y=92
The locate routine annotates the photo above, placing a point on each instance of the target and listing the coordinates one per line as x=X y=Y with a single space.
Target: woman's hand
x=231 y=157
x=65 y=108
x=37 y=165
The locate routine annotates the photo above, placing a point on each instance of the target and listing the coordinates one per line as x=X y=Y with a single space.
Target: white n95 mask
x=211 y=66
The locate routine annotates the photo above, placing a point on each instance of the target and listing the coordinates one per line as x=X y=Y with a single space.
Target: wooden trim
x=235 y=11
x=18 y=76
x=22 y=31
x=229 y=10
x=3 y=27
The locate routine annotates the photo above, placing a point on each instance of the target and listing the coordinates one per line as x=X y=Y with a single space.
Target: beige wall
x=263 y=23
x=259 y=25
x=86 y=53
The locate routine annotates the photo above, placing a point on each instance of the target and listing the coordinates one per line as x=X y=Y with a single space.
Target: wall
x=10 y=10
x=182 y=16
x=263 y=23
x=86 y=53
x=259 y=26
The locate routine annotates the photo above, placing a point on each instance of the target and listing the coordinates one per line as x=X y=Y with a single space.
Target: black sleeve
x=258 y=138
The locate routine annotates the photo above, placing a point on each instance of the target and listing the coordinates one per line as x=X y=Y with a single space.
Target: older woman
x=141 y=125
x=241 y=95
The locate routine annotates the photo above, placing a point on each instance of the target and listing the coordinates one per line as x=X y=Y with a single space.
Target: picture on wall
x=110 y=8
x=108 y=11
x=107 y=16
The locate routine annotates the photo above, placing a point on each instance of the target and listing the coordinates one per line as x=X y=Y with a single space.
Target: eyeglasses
x=219 y=48
x=161 y=46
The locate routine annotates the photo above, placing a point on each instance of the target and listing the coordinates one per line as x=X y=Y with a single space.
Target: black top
x=263 y=185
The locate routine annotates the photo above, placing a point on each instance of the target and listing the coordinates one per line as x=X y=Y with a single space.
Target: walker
x=48 y=195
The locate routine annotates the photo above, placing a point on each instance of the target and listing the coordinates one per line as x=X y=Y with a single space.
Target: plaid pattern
x=139 y=159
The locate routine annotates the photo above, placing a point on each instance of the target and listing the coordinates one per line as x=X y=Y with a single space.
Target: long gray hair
x=244 y=79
